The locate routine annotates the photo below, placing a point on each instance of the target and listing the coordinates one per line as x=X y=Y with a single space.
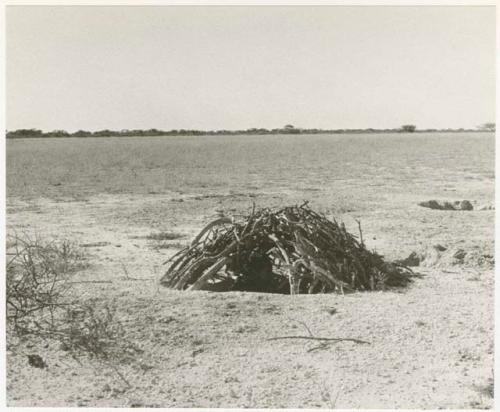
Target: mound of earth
x=440 y=256
x=456 y=205
x=487 y=206
x=445 y=205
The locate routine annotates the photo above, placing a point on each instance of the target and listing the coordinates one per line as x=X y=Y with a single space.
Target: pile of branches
x=290 y=250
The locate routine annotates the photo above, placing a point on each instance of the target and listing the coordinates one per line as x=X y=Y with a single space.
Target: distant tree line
x=288 y=129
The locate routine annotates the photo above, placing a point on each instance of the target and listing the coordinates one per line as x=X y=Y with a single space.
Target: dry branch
x=322 y=339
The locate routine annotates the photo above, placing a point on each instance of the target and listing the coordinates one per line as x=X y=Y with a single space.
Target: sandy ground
x=429 y=346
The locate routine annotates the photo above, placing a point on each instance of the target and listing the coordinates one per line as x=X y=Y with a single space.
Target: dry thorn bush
x=37 y=284
x=40 y=304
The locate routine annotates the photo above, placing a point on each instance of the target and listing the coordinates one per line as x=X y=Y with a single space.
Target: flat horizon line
x=287 y=129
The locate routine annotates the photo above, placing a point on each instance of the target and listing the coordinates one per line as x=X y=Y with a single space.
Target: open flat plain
x=430 y=345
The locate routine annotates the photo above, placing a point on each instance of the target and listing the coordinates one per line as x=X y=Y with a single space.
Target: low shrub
x=37 y=280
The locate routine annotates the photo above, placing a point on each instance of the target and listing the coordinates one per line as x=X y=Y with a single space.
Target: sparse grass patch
x=94 y=330
x=488 y=389
x=163 y=240
x=164 y=236
x=169 y=245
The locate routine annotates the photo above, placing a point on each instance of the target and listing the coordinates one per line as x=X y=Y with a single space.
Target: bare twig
x=90 y=281
x=360 y=231
x=120 y=375
x=303 y=324
x=322 y=339
x=128 y=277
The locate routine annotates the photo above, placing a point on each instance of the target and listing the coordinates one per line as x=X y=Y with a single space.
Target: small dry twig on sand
x=303 y=324
x=90 y=281
x=322 y=339
x=325 y=341
x=128 y=277
x=289 y=250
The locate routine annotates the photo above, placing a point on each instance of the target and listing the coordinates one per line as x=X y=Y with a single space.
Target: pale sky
x=239 y=67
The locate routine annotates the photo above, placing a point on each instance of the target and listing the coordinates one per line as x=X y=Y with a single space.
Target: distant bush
x=24 y=133
x=57 y=133
x=408 y=128
x=82 y=133
x=489 y=127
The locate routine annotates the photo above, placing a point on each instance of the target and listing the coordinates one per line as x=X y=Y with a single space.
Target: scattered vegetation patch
x=164 y=236
x=289 y=250
x=40 y=305
x=94 y=331
x=488 y=389
x=163 y=240
x=95 y=244
x=169 y=245
x=37 y=276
